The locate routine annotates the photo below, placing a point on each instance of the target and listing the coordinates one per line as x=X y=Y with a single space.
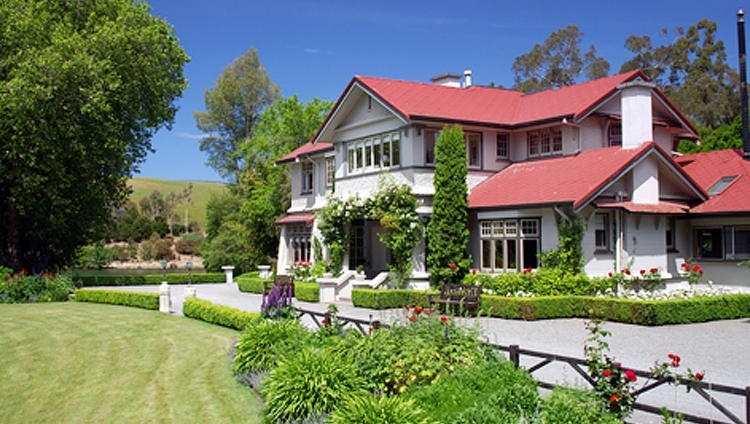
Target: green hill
x=142 y=187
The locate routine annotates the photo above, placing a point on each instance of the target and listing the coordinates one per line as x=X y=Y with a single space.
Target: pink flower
x=452 y=265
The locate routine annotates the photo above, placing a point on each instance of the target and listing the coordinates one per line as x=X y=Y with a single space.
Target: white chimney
x=467 y=78
x=636 y=112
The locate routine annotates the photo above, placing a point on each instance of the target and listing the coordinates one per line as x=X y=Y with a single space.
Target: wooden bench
x=462 y=296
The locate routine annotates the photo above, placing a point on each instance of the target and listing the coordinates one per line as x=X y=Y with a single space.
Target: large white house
x=603 y=150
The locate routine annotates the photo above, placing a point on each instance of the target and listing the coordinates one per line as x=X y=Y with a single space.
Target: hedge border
x=251 y=283
x=629 y=311
x=303 y=291
x=307 y=292
x=116 y=297
x=222 y=315
x=151 y=279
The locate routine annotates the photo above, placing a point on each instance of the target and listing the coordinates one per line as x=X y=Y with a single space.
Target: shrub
x=163 y=249
x=148 y=250
x=386 y=299
x=307 y=292
x=153 y=279
x=491 y=390
x=261 y=346
x=95 y=256
x=543 y=282
x=251 y=283
x=569 y=406
x=24 y=288
x=373 y=409
x=310 y=384
x=124 y=298
x=189 y=244
x=224 y=316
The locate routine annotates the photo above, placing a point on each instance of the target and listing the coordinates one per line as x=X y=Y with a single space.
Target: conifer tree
x=447 y=231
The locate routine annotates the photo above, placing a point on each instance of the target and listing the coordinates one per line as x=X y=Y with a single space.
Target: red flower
x=675 y=359
x=406 y=307
x=643 y=271
x=626 y=271
x=418 y=310
x=429 y=311
x=610 y=273
x=474 y=271
x=699 y=376
x=696 y=268
x=654 y=270
x=630 y=375
x=614 y=398
x=325 y=321
x=685 y=266
x=371 y=329
x=413 y=318
x=700 y=271
x=444 y=319
x=452 y=265
x=607 y=373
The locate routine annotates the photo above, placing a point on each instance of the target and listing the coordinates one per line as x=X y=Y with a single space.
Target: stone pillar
x=189 y=292
x=327 y=290
x=229 y=271
x=165 y=298
x=264 y=271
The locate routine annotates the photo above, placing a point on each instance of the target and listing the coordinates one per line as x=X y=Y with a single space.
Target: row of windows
x=473 y=148
x=308 y=172
x=374 y=153
x=509 y=244
x=730 y=243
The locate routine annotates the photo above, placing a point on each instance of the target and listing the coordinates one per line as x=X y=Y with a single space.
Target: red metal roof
x=560 y=180
x=708 y=168
x=299 y=218
x=306 y=149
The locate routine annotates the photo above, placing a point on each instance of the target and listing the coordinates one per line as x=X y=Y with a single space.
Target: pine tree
x=447 y=231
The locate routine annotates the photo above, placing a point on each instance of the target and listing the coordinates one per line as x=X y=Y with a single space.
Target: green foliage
x=189 y=244
x=489 y=391
x=569 y=406
x=377 y=409
x=124 y=298
x=568 y=257
x=310 y=384
x=251 y=283
x=231 y=246
x=233 y=107
x=307 y=292
x=224 y=316
x=263 y=345
x=557 y=63
x=543 y=282
x=95 y=256
x=85 y=86
x=447 y=231
x=153 y=279
x=25 y=288
x=728 y=136
x=386 y=299
x=692 y=71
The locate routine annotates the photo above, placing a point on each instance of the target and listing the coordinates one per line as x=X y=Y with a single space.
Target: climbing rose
x=614 y=398
x=699 y=376
x=630 y=375
x=643 y=271
x=607 y=373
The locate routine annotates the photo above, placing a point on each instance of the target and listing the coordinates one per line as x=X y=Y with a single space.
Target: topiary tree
x=447 y=231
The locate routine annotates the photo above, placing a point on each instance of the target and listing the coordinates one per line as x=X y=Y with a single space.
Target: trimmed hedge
x=251 y=283
x=225 y=316
x=142 y=280
x=307 y=292
x=387 y=299
x=115 y=297
x=640 y=312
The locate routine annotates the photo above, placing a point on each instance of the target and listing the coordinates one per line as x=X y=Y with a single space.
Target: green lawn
x=142 y=187
x=88 y=363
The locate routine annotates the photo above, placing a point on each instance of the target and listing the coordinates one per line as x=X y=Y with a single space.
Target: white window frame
x=500 y=235
x=502 y=146
x=604 y=228
x=330 y=170
x=544 y=141
x=374 y=153
x=308 y=177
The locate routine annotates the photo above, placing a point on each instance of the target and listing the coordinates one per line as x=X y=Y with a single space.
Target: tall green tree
x=234 y=106
x=448 y=231
x=725 y=137
x=692 y=71
x=558 y=62
x=84 y=85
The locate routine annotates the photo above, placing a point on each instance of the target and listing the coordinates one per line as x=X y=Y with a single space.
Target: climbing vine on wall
x=394 y=206
x=568 y=256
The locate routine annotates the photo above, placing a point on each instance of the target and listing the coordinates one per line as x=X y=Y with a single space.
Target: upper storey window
x=502 y=146
x=615 y=134
x=382 y=151
x=473 y=148
x=545 y=141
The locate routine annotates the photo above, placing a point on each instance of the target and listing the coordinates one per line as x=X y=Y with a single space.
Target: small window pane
x=511 y=228
x=486 y=228
x=499 y=255
x=502 y=146
x=368 y=153
x=487 y=254
x=473 y=149
x=498 y=228
x=395 y=151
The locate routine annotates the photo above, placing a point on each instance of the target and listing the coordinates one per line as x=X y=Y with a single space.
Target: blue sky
x=313 y=48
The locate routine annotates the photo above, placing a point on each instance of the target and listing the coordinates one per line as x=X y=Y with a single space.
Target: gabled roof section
x=307 y=149
x=568 y=180
x=709 y=167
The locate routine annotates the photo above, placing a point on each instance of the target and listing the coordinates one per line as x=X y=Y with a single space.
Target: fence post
x=514 y=355
x=747 y=404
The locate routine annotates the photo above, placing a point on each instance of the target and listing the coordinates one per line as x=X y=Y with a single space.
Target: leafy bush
x=163 y=249
x=186 y=247
x=569 y=406
x=307 y=292
x=310 y=384
x=489 y=391
x=251 y=283
x=95 y=256
x=373 y=409
x=124 y=298
x=24 y=288
x=152 y=279
x=148 y=250
x=261 y=346
x=125 y=253
x=225 y=316
x=386 y=299
x=543 y=282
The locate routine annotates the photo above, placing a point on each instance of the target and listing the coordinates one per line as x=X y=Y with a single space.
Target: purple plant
x=277 y=302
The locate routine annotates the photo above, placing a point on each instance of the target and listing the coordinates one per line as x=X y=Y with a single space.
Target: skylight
x=721 y=184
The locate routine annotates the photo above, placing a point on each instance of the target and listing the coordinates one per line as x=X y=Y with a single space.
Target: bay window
x=509 y=244
x=374 y=153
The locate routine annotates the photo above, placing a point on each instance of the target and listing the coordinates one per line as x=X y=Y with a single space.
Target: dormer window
x=615 y=134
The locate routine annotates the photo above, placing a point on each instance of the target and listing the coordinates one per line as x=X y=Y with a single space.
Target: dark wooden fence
x=515 y=354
